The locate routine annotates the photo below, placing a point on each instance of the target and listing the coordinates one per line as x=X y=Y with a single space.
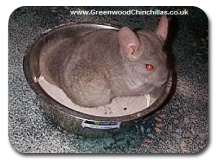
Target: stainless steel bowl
x=75 y=120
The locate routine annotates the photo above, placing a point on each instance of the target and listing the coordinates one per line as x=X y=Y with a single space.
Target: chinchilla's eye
x=149 y=67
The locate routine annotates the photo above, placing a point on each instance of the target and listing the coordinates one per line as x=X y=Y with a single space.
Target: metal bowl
x=80 y=121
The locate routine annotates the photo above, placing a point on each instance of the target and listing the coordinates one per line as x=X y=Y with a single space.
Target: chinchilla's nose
x=161 y=80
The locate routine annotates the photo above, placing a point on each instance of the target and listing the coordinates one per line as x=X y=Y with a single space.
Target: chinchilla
x=94 y=67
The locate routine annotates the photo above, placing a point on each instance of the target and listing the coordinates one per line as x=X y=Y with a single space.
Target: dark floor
x=181 y=126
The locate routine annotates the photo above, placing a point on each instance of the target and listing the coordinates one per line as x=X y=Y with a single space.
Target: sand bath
x=120 y=106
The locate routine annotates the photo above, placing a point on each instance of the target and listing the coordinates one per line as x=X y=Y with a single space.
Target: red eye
x=149 y=67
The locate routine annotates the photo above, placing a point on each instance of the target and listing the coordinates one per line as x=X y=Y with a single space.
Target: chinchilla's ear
x=162 y=28
x=130 y=43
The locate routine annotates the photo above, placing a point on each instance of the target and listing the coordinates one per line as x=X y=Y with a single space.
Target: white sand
x=115 y=108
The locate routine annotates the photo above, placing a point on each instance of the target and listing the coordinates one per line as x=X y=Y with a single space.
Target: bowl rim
x=29 y=74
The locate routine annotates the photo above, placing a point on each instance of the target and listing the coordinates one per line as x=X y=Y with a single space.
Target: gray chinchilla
x=95 y=67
